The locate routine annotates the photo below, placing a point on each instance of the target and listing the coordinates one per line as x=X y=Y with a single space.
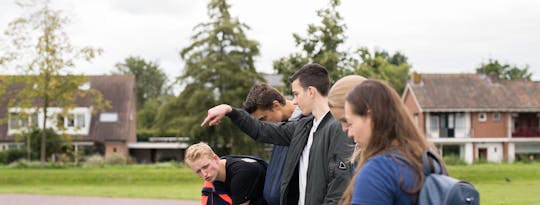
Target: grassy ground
x=180 y=183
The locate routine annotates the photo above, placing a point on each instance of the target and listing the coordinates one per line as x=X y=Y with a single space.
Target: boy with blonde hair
x=243 y=178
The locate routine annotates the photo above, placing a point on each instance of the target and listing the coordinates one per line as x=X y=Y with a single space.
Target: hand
x=215 y=114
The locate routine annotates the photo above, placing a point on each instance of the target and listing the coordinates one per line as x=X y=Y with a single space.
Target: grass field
x=180 y=183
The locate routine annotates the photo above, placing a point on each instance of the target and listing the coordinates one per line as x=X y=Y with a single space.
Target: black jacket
x=329 y=171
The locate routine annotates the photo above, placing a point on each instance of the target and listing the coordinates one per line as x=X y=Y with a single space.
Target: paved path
x=28 y=199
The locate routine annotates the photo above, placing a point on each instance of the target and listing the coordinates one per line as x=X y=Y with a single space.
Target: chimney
x=416 y=78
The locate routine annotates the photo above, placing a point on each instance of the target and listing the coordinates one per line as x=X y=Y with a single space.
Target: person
x=265 y=103
x=336 y=102
x=390 y=166
x=316 y=169
x=243 y=178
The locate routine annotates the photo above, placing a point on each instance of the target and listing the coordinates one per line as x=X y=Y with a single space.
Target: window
x=24 y=120
x=71 y=121
x=108 y=117
x=482 y=117
x=14 y=121
x=60 y=121
x=80 y=120
x=434 y=121
x=496 y=116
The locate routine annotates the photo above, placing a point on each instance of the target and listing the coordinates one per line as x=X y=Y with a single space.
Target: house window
x=76 y=121
x=18 y=121
x=434 y=123
x=80 y=120
x=482 y=117
x=108 y=117
x=496 y=116
x=70 y=121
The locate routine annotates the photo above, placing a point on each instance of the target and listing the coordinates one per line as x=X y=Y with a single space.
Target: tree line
x=218 y=68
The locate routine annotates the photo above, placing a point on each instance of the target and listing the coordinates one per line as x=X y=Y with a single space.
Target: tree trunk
x=43 y=133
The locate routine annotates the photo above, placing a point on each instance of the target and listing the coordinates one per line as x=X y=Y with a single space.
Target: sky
x=437 y=36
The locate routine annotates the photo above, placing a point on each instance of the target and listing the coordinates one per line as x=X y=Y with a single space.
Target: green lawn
x=181 y=183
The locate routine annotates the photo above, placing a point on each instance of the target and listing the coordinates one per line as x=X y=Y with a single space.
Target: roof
x=474 y=92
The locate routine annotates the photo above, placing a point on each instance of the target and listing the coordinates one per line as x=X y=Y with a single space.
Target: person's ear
x=276 y=105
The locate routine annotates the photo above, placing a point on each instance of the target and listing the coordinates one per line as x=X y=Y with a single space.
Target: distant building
x=475 y=116
x=107 y=132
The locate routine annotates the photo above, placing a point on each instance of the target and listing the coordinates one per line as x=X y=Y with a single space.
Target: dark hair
x=392 y=128
x=313 y=75
x=261 y=96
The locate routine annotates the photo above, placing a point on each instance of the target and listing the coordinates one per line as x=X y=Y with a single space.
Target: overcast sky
x=436 y=36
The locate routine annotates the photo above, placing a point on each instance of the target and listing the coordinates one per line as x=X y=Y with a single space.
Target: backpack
x=215 y=193
x=441 y=189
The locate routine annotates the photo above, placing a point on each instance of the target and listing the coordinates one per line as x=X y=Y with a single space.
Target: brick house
x=107 y=132
x=475 y=116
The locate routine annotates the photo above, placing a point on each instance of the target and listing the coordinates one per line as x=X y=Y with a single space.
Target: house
x=107 y=132
x=476 y=116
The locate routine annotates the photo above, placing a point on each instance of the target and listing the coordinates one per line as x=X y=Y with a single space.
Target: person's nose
x=295 y=102
x=349 y=134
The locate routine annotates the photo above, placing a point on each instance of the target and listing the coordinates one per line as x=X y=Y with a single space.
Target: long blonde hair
x=392 y=129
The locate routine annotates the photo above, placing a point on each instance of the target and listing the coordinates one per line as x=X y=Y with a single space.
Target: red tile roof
x=444 y=92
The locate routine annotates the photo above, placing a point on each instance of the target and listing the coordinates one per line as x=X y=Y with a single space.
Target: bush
x=116 y=159
x=23 y=163
x=11 y=155
x=454 y=160
x=94 y=161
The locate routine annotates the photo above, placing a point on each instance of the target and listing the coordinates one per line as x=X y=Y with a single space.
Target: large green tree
x=150 y=79
x=321 y=45
x=39 y=48
x=219 y=68
x=381 y=65
x=504 y=71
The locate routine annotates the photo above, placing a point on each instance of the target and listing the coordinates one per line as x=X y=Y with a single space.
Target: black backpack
x=441 y=189
x=216 y=193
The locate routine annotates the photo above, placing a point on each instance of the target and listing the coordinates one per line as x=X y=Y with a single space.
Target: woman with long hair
x=389 y=168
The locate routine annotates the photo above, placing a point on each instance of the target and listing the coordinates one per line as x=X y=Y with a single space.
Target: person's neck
x=320 y=108
x=222 y=172
x=289 y=108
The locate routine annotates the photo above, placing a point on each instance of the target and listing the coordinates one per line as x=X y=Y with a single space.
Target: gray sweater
x=329 y=171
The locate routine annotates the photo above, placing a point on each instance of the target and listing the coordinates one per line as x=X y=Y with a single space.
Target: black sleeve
x=266 y=132
x=246 y=181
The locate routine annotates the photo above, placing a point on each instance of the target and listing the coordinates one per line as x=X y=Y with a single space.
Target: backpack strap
x=437 y=165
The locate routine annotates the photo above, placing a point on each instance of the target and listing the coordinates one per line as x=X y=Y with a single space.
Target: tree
x=219 y=67
x=320 y=46
x=381 y=65
x=150 y=79
x=505 y=71
x=40 y=49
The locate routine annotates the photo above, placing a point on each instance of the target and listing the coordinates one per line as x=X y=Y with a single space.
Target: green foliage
x=9 y=156
x=454 y=160
x=94 y=161
x=381 y=65
x=116 y=160
x=219 y=68
x=321 y=45
x=39 y=47
x=150 y=79
x=504 y=71
x=54 y=142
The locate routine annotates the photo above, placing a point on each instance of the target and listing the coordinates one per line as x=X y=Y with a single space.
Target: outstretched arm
x=215 y=115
